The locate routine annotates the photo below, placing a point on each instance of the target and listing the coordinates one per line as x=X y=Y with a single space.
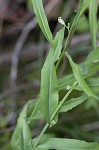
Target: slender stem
x=54 y=114
x=42 y=132
x=61 y=103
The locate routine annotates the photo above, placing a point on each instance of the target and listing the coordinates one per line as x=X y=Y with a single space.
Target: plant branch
x=54 y=114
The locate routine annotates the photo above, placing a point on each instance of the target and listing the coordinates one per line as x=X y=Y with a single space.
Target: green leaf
x=66 y=81
x=83 y=5
x=70 y=104
x=36 y=112
x=16 y=141
x=44 y=139
x=91 y=65
x=42 y=19
x=26 y=135
x=79 y=78
x=49 y=85
x=22 y=136
x=82 y=28
x=93 y=21
x=93 y=57
x=88 y=69
x=68 y=144
x=94 y=83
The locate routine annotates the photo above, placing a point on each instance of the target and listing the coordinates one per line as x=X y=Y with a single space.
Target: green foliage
x=42 y=20
x=83 y=5
x=49 y=88
x=93 y=21
x=79 y=77
x=73 y=103
x=83 y=20
x=49 y=105
x=66 y=144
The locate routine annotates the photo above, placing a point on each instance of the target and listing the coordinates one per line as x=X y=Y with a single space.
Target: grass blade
x=42 y=19
x=93 y=21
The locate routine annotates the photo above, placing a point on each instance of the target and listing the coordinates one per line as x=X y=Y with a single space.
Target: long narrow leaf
x=16 y=141
x=22 y=136
x=93 y=21
x=87 y=69
x=49 y=84
x=42 y=19
x=79 y=78
x=73 y=103
x=68 y=144
x=26 y=135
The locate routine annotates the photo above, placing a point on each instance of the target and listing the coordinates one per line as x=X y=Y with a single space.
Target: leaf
x=82 y=28
x=83 y=5
x=16 y=140
x=68 y=144
x=70 y=104
x=66 y=81
x=36 y=112
x=91 y=65
x=22 y=136
x=58 y=45
x=49 y=85
x=42 y=19
x=93 y=7
x=88 y=69
x=94 y=83
x=44 y=139
x=79 y=78
x=93 y=57
x=26 y=135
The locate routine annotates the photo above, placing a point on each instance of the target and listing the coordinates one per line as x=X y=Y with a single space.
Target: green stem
x=70 y=34
x=54 y=114
x=61 y=103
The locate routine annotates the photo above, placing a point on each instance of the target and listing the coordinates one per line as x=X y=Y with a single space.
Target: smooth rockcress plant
x=48 y=105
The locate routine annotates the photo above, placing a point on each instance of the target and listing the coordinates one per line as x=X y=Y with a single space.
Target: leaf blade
x=93 y=21
x=21 y=138
x=72 y=103
x=49 y=88
x=42 y=19
x=83 y=5
x=79 y=78
x=68 y=144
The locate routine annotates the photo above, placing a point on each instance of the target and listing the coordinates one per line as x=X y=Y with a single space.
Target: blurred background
x=23 y=49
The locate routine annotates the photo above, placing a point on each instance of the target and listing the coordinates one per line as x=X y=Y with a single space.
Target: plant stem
x=61 y=103
x=54 y=114
x=72 y=29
